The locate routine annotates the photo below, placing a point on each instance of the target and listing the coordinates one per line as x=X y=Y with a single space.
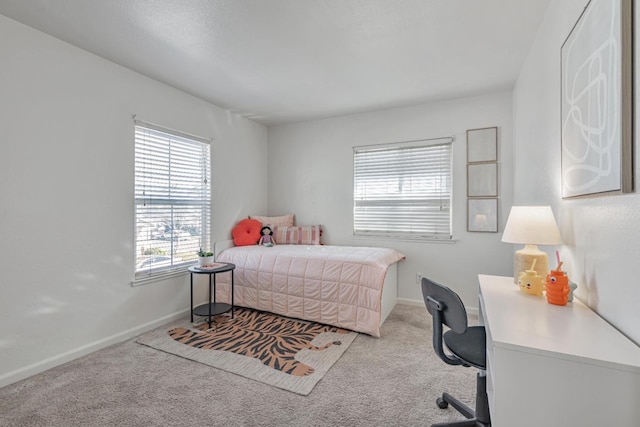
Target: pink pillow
x=246 y=232
x=272 y=221
x=298 y=235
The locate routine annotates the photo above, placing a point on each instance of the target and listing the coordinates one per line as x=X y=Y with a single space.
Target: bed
x=346 y=286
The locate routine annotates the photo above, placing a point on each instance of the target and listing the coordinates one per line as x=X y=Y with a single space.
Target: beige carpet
x=392 y=381
x=286 y=353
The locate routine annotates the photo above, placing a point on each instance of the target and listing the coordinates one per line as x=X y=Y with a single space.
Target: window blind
x=172 y=199
x=403 y=189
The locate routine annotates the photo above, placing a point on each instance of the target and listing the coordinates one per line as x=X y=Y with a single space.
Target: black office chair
x=467 y=345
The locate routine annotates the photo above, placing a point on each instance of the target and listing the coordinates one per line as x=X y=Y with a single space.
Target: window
x=172 y=197
x=403 y=190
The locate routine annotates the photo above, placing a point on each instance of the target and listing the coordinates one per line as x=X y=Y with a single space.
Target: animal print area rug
x=286 y=353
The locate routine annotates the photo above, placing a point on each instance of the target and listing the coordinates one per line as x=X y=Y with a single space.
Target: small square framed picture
x=482 y=215
x=482 y=145
x=482 y=179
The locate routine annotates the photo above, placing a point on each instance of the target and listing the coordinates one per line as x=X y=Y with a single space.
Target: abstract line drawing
x=592 y=85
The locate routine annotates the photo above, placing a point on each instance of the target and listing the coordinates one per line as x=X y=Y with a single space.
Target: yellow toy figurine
x=531 y=282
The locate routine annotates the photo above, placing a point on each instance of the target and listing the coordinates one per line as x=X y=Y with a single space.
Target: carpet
x=286 y=353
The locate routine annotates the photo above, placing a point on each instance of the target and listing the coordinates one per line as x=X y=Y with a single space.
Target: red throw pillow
x=246 y=232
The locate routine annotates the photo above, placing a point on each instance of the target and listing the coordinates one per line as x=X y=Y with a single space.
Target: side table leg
x=232 y=306
x=209 y=302
x=191 y=311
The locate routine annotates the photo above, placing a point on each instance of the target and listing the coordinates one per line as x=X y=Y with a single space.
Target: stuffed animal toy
x=266 y=238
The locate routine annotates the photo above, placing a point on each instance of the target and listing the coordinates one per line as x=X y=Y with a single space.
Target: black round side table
x=212 y=308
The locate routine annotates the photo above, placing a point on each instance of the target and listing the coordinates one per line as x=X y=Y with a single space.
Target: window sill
x=404 y=239
x=144 y=280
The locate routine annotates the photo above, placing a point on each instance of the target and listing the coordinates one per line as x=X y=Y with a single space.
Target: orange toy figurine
x=530 y=281
x=557 y=286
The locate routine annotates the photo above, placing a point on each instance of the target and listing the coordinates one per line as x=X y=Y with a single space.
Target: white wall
x=66 y=189
x=311 y=175
x=601 y=234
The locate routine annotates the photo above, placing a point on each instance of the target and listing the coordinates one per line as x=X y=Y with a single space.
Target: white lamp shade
x=531 y=225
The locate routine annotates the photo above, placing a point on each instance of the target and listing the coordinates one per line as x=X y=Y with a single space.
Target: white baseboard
x=413 y=302
x=43 y=365
x=419 y=303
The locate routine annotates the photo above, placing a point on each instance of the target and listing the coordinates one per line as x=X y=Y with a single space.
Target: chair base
x=478 y=418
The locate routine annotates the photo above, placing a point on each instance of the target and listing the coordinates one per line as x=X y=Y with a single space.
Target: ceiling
x=280 y=61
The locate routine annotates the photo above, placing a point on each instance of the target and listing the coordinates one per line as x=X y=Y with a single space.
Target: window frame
x=170 y=187
x=427 y=144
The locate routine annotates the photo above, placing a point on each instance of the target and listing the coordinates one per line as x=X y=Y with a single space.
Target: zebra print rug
x=286 y=353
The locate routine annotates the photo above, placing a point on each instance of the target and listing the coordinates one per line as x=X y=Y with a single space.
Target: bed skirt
x=336 y=285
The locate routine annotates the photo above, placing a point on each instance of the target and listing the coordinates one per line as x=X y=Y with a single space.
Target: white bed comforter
x=336 y=285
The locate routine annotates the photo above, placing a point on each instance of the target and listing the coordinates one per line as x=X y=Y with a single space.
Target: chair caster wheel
x=441 y=403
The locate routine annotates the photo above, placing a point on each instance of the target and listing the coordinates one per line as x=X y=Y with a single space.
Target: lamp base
x=523 y=259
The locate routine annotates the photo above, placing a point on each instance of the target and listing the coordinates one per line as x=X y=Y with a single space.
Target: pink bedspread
x=336 y=285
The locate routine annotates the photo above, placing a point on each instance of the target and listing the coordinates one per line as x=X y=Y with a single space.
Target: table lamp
x=531 y=226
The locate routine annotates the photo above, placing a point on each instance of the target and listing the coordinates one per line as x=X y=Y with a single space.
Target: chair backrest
x=447 y=302
x=446 y=308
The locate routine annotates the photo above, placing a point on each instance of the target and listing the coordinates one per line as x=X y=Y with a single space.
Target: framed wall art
x=596 y=106
x=482 y=145
x=482 y=179
x=482 y=215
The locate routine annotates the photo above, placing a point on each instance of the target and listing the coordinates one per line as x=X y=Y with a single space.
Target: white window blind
x=403 y=190
x=172 y=198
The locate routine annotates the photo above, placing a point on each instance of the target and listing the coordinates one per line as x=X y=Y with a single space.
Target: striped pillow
x=298 y=235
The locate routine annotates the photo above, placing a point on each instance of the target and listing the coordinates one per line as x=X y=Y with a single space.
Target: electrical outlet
x=419 y=278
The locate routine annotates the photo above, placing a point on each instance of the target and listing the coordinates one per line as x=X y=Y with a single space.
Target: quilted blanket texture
x=336 y=285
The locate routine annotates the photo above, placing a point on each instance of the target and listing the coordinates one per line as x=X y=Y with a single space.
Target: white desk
x=551 y=365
